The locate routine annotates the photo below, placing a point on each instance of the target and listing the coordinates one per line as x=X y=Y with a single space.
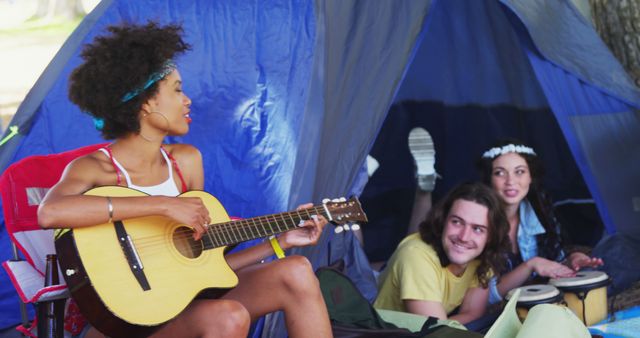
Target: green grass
x=55 y=26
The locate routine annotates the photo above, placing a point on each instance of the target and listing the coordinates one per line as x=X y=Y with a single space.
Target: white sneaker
x=424 y=155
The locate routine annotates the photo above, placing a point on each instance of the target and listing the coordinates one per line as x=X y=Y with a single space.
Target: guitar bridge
x=130 y=252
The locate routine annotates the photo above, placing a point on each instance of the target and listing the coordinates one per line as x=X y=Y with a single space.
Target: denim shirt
x=528 y=229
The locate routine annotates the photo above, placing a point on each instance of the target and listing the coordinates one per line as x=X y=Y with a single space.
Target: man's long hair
x=492 y=259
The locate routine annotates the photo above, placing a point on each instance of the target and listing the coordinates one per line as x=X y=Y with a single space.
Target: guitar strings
x=221 y=240
x=222 y=234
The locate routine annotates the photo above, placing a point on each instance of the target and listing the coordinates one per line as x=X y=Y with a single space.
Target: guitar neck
x=234 y=232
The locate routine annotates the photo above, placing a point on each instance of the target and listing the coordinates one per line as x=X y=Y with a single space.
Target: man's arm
x=473 y=305
x=425 y=308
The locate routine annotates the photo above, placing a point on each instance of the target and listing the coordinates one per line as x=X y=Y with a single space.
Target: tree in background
x=65 y=9
x=618 y=24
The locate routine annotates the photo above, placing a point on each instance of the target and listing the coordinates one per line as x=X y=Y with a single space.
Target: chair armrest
x=29 y=283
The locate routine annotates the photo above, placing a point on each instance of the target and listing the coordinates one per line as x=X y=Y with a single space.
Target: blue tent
x=539 y=55
x=533 y=70
x=288 y=96
x=273 y=111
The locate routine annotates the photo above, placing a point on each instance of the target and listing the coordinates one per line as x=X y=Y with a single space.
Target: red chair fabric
x=24 y=184
x=22 y=187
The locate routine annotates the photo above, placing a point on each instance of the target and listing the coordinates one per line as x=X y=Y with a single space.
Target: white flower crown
x=509 y=148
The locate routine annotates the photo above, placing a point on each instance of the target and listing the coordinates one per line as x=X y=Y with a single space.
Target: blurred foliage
x=43 y=26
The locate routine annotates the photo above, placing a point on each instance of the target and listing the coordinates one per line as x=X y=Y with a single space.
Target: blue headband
x=167 y=67
x=98 y=122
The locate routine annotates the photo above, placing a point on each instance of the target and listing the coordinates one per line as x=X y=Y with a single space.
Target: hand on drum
x=547 y=268
x=578 y=260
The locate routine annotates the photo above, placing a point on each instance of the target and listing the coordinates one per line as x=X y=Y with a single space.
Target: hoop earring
x=164 y=117
x=149 y=114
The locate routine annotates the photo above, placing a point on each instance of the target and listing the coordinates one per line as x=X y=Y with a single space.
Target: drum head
x=582 y=278
x=536 y=293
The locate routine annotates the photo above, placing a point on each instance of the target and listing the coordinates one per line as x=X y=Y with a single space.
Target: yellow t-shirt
x=414 y=272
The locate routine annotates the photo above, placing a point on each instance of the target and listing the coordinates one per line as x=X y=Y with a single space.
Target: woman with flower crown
x=514 y=171
x=131 y=86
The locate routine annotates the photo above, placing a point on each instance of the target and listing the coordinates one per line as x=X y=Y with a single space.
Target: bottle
x=51 y=313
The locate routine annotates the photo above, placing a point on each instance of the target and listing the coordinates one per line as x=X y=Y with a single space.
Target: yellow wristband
x=276 y=247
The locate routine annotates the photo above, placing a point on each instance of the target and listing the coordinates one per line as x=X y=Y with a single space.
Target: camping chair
x=23 y=185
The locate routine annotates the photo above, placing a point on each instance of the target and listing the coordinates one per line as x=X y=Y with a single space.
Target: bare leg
x=423 y=152
x=421 y=206
x=289 y=285
x=93 y=333
x=209 y=318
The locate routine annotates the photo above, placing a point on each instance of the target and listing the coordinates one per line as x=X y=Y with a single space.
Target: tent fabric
x=597 y=140
x=469 y=55
x=533 y=70
x=240 y=70
x=567 y=39
x=388 y=197
x=247 y=75
x=288 y=96
x=366 y=47
x=273 y=87
x=538 y=55
x=600 y=129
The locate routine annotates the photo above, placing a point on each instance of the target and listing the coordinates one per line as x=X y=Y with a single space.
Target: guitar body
x=101 y=265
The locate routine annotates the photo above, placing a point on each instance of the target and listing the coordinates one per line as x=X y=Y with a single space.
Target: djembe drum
x=585 y=294
x=532 y=295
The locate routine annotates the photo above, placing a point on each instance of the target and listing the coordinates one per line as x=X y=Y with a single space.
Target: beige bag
x=544 y=320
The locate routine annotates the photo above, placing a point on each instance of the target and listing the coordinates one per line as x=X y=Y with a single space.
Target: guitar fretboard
x=233 y=232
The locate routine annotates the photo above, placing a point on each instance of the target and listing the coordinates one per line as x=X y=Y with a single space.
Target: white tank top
x=166 y=188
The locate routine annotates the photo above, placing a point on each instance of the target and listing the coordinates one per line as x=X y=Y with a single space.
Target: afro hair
x=117 y=63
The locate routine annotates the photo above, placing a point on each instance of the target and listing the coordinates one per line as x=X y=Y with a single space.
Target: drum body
x=585 y=294
x=532 y=295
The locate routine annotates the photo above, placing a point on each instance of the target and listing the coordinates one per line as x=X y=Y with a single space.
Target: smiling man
x=443 y=270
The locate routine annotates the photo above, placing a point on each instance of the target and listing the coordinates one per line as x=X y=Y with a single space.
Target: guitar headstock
x=341 y=211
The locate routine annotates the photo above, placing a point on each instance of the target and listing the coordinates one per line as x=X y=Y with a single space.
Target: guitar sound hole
x=186 y=245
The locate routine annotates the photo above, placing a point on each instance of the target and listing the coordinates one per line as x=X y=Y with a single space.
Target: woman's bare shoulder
x=94 y=167
x=183 y=152
x=89 y=161
x=189 y=161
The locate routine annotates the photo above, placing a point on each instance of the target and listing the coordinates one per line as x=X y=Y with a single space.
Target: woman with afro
x=131 y=86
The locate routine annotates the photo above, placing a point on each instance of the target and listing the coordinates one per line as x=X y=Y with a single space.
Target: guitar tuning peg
x=338 y=229
x=346 y=227
x=342 y=199
x=325 y=200
x=355 y=227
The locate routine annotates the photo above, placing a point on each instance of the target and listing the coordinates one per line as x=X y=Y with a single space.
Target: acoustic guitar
x=130 y=277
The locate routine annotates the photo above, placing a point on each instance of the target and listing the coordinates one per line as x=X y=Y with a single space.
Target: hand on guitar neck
x=308 y=232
